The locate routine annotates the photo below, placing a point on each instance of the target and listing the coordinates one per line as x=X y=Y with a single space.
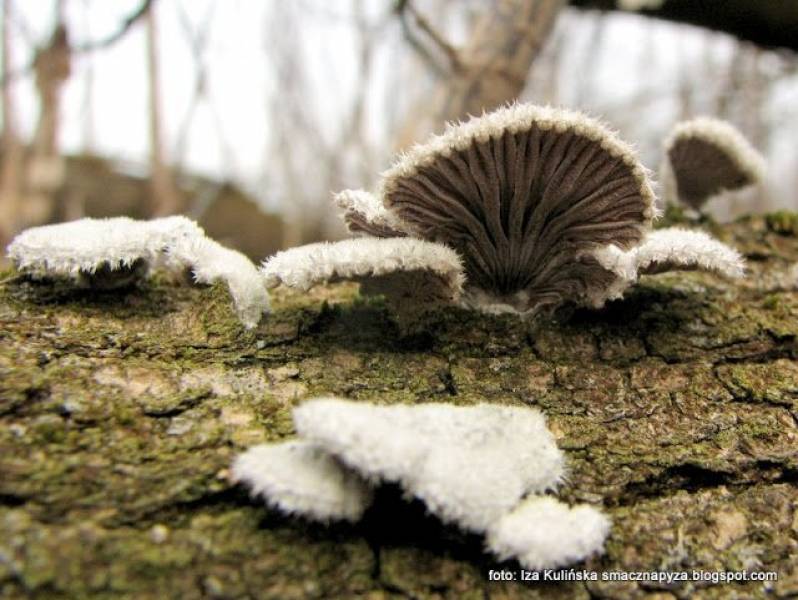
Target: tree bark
x=121 y=412
x=165 y=199
x=767 y=23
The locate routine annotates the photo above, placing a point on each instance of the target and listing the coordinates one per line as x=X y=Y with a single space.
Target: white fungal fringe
x=210 y=261
x=469 y=465
x=675 y=249
x=543 y=533
x=670 y=249
x=300 y=479
x=365 y=214
x=491 y=304
x=472 y=466
x=515 y=118
x=359 y=259
x=79 y=249
x=621 y=263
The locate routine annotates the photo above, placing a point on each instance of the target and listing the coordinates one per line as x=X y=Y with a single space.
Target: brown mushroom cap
x=525 y=194
x=708 y=156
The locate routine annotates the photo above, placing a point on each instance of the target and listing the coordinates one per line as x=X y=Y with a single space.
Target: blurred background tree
x=246 y=116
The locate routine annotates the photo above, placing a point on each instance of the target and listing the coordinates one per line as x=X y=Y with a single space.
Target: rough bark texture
x=120 y=414
x=767 y=23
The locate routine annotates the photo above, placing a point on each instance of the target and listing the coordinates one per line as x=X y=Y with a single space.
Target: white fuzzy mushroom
x=112 y=253
x=469 y=465
x=209 y=261
x=544 y=533
x=298 y=478
x=706 y=156
x=80 y=249
x=405 y=266
x=670 y=249
x=676 y=249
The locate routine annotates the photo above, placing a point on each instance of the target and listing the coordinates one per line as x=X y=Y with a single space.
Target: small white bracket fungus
x=663 y=250
x=420 y=270
x=210 y=261
x=543 y=533
x=298 y=478
x=676 y=249
x=704 y=157
x=473 y=466
x=469 y=465
x=78 y=249
x=112 y=253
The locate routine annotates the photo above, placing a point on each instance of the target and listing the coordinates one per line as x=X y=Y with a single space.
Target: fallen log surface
x=120 y=414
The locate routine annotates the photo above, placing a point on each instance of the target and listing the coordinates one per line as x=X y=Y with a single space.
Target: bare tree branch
x=126 y=25
x=453 y=58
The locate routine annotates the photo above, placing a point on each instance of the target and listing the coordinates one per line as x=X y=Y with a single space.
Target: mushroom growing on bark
x=526 y=195
x=299 y=478
x=106 y=253
x=115 y=253
x=543 y=206
x=704 y=157
x=468 y=464
x=404 y=269
x=479 y=467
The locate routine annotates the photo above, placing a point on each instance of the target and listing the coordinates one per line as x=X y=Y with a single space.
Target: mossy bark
x=120 y=413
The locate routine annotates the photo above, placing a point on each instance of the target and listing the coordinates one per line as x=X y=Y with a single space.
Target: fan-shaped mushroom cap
x=418 y=270
x=469 y=464
x=676 y=249
x=525 y=194
x=82 y=249
x=543 y=533
x=99 y=253
x=707 y=156
x=209 y=261
x=671 y=249
x=299 y=478
x=112 y=253
x=364 y=214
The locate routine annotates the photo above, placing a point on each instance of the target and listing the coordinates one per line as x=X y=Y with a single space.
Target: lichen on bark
x=120 y=413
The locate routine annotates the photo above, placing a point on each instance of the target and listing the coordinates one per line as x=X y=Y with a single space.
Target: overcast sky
x=240 y=81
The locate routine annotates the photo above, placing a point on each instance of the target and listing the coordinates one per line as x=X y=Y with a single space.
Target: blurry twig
x=127 y=23
x=197 y=39
x=455 y=61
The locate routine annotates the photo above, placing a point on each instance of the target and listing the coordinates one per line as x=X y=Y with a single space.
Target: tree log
x=767 y=23
x=120 y=413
